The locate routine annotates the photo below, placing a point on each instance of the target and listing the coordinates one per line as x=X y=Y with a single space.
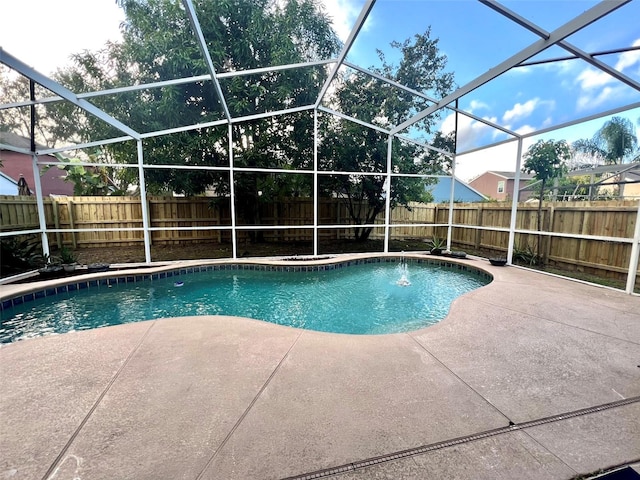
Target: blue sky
x=474 y=38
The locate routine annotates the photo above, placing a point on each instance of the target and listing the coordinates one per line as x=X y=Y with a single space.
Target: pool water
x=359 y=299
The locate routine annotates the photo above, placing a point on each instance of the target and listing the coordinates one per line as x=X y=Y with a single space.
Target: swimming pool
x=372 y=296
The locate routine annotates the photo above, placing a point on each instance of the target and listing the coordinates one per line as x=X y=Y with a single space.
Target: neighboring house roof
x=463 y=192
x=15 y=164
x=18 y=141
x=512 y=175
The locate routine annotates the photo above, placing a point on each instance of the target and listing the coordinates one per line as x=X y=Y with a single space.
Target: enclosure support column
x=144 y=205
x=453 y=179
x=635 y=251
x=232 y=192
x=316 y=193
x=387 y=192
x=42 y=219
x=451 y=198
x=514 y=204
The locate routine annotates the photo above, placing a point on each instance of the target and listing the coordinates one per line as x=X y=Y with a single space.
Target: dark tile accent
x=440 y=263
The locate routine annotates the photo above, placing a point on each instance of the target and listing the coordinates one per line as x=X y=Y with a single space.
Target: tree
x=615 y=142
x=546 y=159
x=158 y=44
x=347 y=146
x=87 y=180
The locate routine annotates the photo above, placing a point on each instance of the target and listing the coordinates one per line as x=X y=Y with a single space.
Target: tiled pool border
x=133 y=278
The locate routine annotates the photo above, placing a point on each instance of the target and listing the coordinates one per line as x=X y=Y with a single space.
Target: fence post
x=549 y=222
x=150 y=220
x=434 y=233
x=478 y=240
x=72 y=225
x=56 y=221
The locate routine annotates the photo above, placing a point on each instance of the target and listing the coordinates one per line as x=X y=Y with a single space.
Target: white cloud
x=525 y=129
x=520 y=110
x=547 y=122
x=629 y=59
x=587 y=100
x=501 y=158
x=591 y=78
x=343 y=14
x=470 y=131
x=478 y=105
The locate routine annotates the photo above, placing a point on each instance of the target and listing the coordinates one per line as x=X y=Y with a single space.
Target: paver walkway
x=531 y=377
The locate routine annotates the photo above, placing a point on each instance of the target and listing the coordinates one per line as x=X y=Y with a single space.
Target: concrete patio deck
x=530 y=377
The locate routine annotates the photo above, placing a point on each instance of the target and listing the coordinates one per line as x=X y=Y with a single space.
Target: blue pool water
x=358 y=299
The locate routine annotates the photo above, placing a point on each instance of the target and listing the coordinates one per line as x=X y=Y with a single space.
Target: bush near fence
x=95 y=215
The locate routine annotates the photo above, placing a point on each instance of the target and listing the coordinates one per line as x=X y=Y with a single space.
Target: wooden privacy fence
x=103 y=222
x=598 y=257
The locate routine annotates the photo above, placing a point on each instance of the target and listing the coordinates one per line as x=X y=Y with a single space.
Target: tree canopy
x=615 y=142
x=158 y=45
x=350 y=147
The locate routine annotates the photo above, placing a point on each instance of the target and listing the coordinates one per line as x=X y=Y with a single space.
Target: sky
x=473 y=37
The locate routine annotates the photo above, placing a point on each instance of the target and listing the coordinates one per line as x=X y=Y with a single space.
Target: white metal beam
x=633 y=259
x=146 y=224
x=564 y=44
x=232 y=193
x=607 y=113
x=345 y=49
x=514 y=205
x=427 y=97
x=569 y=28
x=168 y=83
x=355 y=120
x=387 y=191
x=316 y=188
x=42 y=220
x=195 y=24
x=80 y=146
x=64 y=93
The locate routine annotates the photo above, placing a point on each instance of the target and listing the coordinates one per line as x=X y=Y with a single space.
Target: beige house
x=499 y=185
x=622 y=181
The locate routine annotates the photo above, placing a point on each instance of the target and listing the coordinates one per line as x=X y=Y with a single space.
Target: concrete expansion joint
x=51 y=472
x=249 y=407
x=350 y=467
